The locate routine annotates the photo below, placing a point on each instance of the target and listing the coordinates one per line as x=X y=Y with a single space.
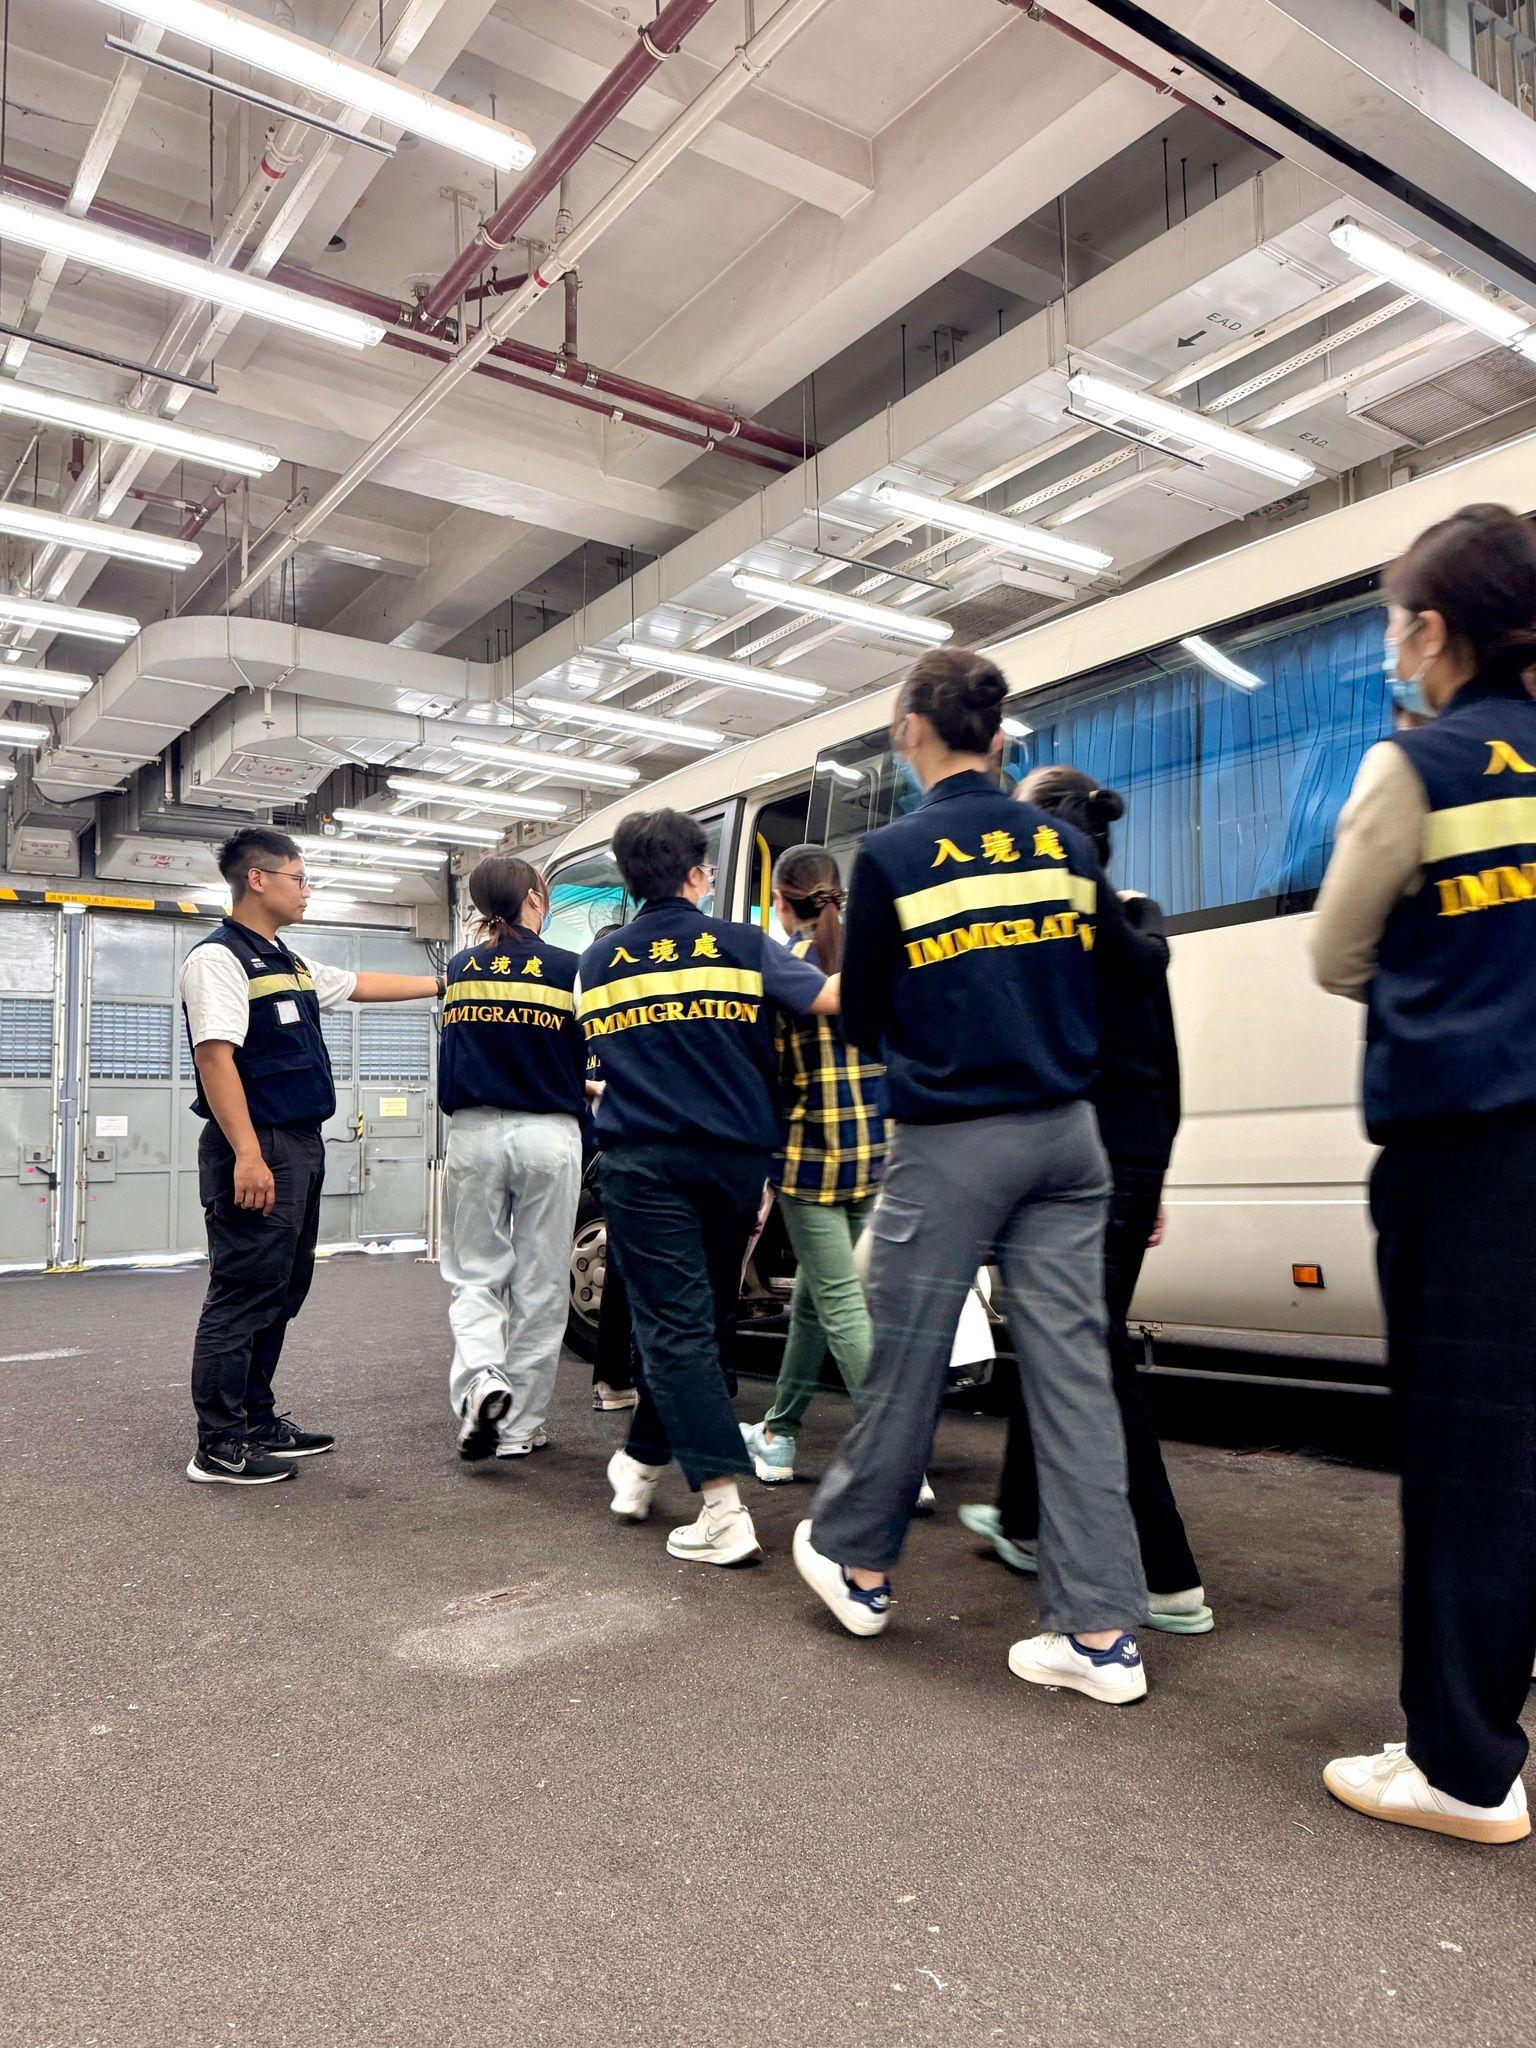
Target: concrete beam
x=1025 y=117
x=1223 y=233
x=474 y=562
x=569 y=48
x=1350 y=93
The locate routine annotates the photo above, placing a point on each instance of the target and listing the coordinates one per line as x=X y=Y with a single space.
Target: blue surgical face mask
x=1407 y=691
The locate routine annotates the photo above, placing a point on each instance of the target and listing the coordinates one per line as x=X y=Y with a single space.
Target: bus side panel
x=1271 y=1161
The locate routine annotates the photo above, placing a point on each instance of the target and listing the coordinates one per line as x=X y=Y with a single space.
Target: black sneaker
x=234 y=1462
x=485 y=1404
x=281 y=1439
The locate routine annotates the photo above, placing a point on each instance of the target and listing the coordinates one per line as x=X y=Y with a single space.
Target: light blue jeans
x=512 y=1181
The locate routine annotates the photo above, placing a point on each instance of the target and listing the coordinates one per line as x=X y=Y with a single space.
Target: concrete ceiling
x=869 y=245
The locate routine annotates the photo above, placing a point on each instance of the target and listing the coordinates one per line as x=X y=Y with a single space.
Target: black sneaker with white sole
x=282 y=1439
x=234 y=1462
x=486 y=1403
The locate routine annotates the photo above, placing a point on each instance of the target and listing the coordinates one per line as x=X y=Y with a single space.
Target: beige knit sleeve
x=1376 y=862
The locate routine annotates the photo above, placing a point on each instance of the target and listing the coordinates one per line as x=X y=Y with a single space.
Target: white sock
x=726 y=1495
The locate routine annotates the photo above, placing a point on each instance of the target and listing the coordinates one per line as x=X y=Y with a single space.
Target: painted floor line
x=36 y=1357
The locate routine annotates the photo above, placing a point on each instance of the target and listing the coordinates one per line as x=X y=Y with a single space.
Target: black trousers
x=1165 y=1553
x=679 y=1217
x=1455 y=1213
x=259 y=1270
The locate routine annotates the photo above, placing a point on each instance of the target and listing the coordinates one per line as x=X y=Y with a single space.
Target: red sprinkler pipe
x=656 y=42
x=734 y=437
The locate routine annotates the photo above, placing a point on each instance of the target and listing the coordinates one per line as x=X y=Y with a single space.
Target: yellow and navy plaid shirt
x=834 y=1142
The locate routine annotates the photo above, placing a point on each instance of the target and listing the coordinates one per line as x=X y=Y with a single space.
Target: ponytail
x=807 y=878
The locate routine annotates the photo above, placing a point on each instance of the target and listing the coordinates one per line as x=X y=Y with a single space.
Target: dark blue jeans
x=679 y=1218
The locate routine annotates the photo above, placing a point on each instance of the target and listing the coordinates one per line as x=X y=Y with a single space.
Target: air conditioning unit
x=162 y=863
x=994 y=601
x=44 y=850
x=241 y=757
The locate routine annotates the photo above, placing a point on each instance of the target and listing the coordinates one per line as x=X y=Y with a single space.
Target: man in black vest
x=264 y=1088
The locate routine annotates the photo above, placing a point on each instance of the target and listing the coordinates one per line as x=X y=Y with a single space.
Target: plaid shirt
x=834 y=1141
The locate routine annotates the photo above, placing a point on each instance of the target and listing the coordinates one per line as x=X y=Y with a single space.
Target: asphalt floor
x=409 y=1752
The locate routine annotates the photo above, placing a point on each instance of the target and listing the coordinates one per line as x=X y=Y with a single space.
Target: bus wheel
x=589 y=1259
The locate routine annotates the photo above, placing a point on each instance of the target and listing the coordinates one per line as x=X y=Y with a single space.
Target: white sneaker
x=861 y=1613
x=1390 y=1786
x=722 y=1534
x=634 y=1486
x=524 y=1446
x=1180 y=1614
x=488 y=1399
x=1115 y=1676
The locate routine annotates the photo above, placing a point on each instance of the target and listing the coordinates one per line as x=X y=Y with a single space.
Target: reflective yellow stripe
x=1480 y=828
x=510 y=990
x=280 y=985
x=996 y=892
x=678 y=981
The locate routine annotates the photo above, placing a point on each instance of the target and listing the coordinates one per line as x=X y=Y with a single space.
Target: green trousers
x=827 y=1311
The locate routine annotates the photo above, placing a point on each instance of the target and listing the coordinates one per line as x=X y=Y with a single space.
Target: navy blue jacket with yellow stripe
x=510 y=1038
x=969 y=961
x=283 y=1065
x=1452 y=1018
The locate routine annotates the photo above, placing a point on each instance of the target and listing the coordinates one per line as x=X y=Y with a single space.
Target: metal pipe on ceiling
x=727 y=85
x=654 y=43
x=721 y=429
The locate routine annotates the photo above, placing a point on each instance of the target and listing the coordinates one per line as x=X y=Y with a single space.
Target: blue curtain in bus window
x=1142 y=741
x=1276 y=762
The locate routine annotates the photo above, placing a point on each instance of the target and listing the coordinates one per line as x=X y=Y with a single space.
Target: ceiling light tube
x=1033 y=542
x=562 y=767
x=67 y=618
x=418 y=859
x=1427 y=281
x=607 y=718
x=819 y=603
x=471 y=796
x=358 y=878
x=146 y=263
x=217 y=26
x=96 y=537
x=14 y=734
x=7 y=773
x=417 y=828
x=715 y=668
x=43 y=685
x=142 y=430
x=1221 y=664
x=1194 y=427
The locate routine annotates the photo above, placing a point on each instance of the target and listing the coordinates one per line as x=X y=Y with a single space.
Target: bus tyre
x=589 y=1254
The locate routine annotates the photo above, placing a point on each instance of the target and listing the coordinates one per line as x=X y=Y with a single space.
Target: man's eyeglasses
x=286 y=874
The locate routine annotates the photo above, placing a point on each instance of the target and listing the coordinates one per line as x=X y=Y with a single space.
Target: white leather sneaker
x=1390 y=1786
x=1115 y=1676
x=722 y=1534
x=634 y=1486
x=861 y=1613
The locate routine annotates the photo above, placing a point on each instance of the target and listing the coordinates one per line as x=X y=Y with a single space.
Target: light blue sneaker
x=982 y=1519
x=773 y=1462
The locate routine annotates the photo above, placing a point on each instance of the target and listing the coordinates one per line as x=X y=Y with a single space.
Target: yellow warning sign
x=394 y=1105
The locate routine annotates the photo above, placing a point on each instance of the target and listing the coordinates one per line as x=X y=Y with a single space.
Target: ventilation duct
x=1468 y=396
x=996 y=601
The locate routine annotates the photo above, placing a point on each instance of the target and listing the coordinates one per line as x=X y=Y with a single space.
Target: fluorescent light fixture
x=1164 y=417
x=635 y=724
x=355 y=851
x=1033 y=542
x=1220 y=664
x=14 y=734
x=141 y=430
x=329 y=906
x=372 y=92
x=1016 y=729
x=715 y=668
x=1427 y=281
x=96 y=537
x=7 y=772
x=66 y=618
x=563 y=767
x=849 y=611
x=49 y=685
x=361 y=878
x=146 y=263
x=417 y=828
x=469 y=796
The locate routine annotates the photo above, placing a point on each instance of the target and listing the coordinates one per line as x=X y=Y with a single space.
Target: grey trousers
x=1035 y=1187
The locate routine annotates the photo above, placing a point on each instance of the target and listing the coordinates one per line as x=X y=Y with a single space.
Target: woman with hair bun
x=1427 y=915
x=826 y=1173
x=1136 y=1100
x=975 y=926
x=511 y=1081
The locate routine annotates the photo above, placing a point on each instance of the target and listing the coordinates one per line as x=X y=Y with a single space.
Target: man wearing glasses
x=264 y=1088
